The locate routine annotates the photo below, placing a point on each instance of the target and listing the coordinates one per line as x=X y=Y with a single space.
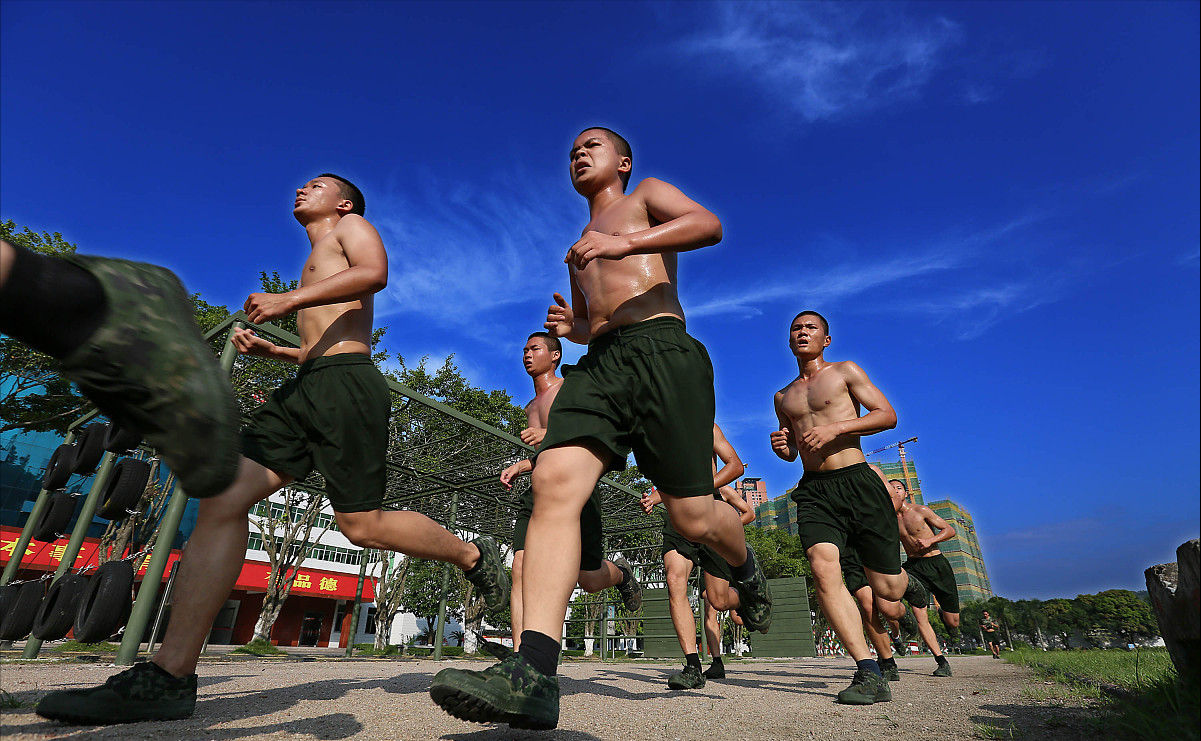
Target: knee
x=594 y=581
x=221 y=510
x=891 y=610
x=359 y=530
x=720 y=599
x=950 y=619
x=677 y=584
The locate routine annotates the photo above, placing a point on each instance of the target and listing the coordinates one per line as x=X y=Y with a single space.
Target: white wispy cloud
x=853 y=279
x=460 y=251
x=824 y=60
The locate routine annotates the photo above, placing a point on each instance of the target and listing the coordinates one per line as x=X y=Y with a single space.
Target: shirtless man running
x=680 y=555
x=841 y=501
x=645 y=385
x=333 y=416
x=926 y=562
x=541 y=356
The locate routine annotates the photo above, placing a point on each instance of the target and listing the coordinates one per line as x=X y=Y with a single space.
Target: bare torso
x=822 y=399
x=338 y=328
x=634 y=288
x=913 y=525
x=538 y=410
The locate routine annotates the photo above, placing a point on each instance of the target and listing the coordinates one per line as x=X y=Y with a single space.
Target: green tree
x=422 y=590
x=1064 y=616
x=448 y=385
x=1121 y=612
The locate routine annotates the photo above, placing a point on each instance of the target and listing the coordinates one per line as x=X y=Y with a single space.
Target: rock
x=1176 y=595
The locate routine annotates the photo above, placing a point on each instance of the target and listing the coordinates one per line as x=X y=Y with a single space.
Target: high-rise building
x=963 y=551
x=908 y=474
x=753 y=490
x=777 y=514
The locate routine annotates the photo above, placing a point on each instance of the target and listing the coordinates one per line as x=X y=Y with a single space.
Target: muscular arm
x=733 y=467
x=367 y=274
x=684 y=224
x=879 y=417
x=735 y=500
x=783 y=441
x=945 y=530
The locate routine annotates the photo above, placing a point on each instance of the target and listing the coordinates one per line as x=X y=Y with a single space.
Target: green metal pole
x=86 y=514
x=454 y=509
x=35 y=514
x=364 y=556
x=168 y=527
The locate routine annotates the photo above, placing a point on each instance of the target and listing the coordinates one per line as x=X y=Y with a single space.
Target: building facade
x=777 y=514
x=753 y=490
x=906 y=473
x=963 y=551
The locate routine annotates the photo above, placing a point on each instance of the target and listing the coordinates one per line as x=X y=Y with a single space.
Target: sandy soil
x=759 y=700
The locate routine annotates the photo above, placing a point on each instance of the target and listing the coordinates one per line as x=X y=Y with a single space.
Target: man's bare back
x=623 y=268
x=346 y=266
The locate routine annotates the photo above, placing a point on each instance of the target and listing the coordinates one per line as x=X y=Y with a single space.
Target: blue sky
x=994 y=203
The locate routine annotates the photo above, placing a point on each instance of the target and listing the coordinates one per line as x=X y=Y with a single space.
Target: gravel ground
x=759 y=700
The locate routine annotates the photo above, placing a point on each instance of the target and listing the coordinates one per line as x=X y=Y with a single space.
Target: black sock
x=541 y=651
x=693 y=660
x=744 y=572
x=869 y=665
x=625 y=576
x=49 y=304
x=890 y=662
x=941 y=660
x=475 y=569
x=717 y=661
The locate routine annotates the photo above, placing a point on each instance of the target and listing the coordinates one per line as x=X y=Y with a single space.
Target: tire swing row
x=95 y=606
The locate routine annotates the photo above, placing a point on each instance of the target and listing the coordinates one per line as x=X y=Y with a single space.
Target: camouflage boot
x=489 y=575
x=510 y=692
x=866 y=688
x=889 y=669
x=943 y=670
x=754 y=599
x=631 y=591
x=148 y=369
x=141 y=692
x=689 y=679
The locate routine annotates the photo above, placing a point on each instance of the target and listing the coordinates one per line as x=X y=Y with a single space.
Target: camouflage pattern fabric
x=510 y=692
x=489 y=575
x=141 y=692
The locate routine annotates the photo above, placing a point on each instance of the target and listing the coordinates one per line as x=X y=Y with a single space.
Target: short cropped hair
x=902 y=483
x=623 y=149
x=820 y=318
x=349 y=192
x=552 y=344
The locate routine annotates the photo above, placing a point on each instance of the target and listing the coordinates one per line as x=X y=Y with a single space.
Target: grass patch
x=259 y=647
x=988 y=730
x=1131 y=670
x=368 y=649
x=8 y=702
x=101 y=647
x=1149 y=702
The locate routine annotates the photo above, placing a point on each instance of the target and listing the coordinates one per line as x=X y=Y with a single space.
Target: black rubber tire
x=105 y=603
x=120 y=439
x=59 y=468
x=89 y=448
x=125 y=487
x=20 y=608
x=57 y=613
x=54 y=520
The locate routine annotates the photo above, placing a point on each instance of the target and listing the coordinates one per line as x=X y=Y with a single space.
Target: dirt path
x=759 y=700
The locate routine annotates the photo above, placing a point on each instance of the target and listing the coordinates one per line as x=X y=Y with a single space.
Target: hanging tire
x=59 y=468
x=20 y=608
x=119 y=439
x=124 y=489
x=106 y=602
x=89 y=448
x=55 y=517
x=57 y=613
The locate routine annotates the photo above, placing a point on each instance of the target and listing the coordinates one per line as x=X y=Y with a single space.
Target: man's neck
x=604 y=198
x=319 y=227
x=545 y=381
x=808 y=366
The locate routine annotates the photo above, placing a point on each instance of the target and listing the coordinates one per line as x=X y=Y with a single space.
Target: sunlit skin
x=346 y=267
x=621 y=271
x=540 y=363
x=719 y=595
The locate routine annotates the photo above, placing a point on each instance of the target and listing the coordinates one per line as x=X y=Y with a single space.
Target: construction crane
x=904 y=464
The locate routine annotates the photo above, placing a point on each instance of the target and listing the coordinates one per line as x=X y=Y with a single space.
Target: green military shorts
x=698 y=553
x=936 y=573
x=852 y=570
x=333 y=416
x=592 y=534
x=646 y=388
x=850 y=507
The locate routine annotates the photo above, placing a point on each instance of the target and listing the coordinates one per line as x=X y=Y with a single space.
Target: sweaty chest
x=326 y=259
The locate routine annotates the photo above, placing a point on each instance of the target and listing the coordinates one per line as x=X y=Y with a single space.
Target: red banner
x=253 y=578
